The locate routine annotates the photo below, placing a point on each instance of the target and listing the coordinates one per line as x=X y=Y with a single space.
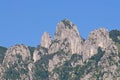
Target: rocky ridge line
x=66 y=46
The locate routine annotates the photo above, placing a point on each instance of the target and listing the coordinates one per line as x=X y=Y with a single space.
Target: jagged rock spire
x=66 y=30
x=46 y=40
x=71 y=55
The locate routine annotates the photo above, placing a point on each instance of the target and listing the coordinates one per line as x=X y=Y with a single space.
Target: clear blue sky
x=24 y=21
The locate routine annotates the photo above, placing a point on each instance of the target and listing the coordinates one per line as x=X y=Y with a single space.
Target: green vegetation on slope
x=68 y=72
x=115 y=35
x=12 y=73
x=2 y=52
x=31 y=50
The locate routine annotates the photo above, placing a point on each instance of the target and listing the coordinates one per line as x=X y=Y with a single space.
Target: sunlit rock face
x=15 y=60
x=65 y=57
x=66 y=30
x=16 y=51
x=98 y=38
x=46 y=40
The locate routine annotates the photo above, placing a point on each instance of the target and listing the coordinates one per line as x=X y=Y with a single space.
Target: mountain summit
x=65 y=57
x=66 y=30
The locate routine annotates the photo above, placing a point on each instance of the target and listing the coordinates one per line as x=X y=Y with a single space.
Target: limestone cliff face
x=66 y=42
x=98 y=38
x=16 y=61
x=65 y=57
x=66 y=30
x=12 y=54
x=43 y=48
x=46 y=40
x=59 y=45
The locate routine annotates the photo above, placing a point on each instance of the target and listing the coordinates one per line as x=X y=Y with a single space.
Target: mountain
x=67 y=56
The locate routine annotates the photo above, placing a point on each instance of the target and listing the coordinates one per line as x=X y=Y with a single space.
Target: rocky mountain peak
x=46 y=40
x=16 y=62
x=16 y=51
x=66 y=23
x=66 y=30
x=66 y=57
x=66 y=26
x=98 y=38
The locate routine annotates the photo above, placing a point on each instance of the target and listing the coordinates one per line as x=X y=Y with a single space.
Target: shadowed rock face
x=65 y=57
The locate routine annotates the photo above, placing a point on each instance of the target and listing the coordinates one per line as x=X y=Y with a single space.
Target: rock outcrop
x=66 y=30
x=39 y=52
x=46 y=40
x=15 y=52
x=65 y=57
x=16 y=61
x=98 y=38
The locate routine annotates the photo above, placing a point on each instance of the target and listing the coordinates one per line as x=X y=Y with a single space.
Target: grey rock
x=98 y=38
x=67 y=56
x=12 y=54
x=17 y=58
x=66 y=30
x=39 y=52
x=46 y=40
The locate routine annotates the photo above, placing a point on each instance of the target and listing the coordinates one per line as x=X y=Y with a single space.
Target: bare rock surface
x=16 y=61
x=65 y=57
x=46 y=40
x=66 y=30
x=98 y=38
x=39 y=52
x=15 y=52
